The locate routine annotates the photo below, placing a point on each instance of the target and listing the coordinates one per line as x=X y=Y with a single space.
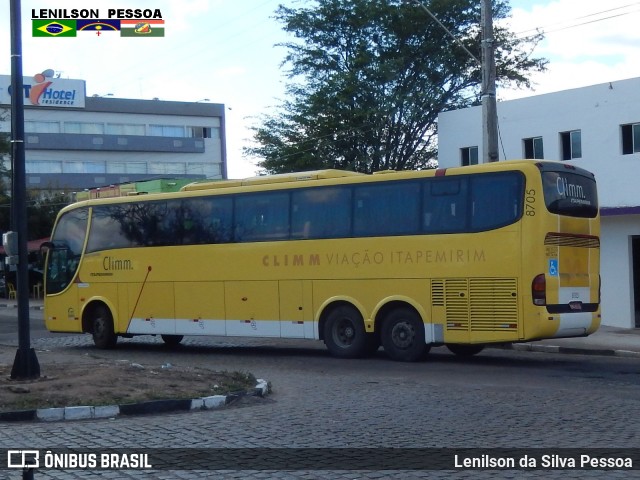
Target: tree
x=42 y=210
x=5 y=173
x=42 y=206
x=368 y=78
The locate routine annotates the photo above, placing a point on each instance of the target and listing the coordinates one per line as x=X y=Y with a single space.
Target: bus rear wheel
x=463 y=350
x=172 y=340
x=102 y=328
x=403 y=335
x=344 y=333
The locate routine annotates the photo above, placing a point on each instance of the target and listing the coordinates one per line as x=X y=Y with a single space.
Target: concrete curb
x=262 y=388
x=14 y=305
x=540 y=348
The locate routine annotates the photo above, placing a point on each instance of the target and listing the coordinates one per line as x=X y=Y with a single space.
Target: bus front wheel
x=344 y=333
x=102 y=328
x=403 y=335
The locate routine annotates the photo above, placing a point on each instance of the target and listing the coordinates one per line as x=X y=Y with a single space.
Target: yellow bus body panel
x=471 y=288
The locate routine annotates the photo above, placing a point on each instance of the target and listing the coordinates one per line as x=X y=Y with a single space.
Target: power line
x=549 y=29
x=455 y=39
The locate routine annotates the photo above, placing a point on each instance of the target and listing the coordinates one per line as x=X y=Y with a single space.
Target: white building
x=596 y=128
x=74 y=142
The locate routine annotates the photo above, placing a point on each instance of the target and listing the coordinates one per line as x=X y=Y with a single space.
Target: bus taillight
x=539 y=290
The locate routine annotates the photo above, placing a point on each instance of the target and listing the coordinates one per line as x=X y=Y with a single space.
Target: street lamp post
x=26 y=363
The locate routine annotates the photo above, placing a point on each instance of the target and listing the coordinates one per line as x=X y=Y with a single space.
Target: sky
x=225 y=51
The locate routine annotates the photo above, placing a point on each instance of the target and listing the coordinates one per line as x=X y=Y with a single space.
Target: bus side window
x=207 y=220
x=321 y=212
x=445 y=205
x=496 y=200
x=387 y=209
x=219 y=221
x=262 y=217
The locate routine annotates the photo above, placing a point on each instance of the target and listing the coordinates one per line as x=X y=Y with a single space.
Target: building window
x=571 y=144
x=203 y=132
x=469 y=156
x=533 y=148
x=88 y=128
x=41 y=127
x=199 y=132
x=630 y=138
x=166 y=131
x=124 y=129
x=42 y=166
x=84 y=167
x=126 y=167
x=170 y=168
x=209 y=170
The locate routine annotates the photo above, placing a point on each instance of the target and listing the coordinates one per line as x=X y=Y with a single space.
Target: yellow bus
x=463 y=257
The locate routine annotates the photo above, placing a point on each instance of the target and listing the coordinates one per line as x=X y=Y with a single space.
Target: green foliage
x=367 y=79
x=42 y=209
x=5 y=179
x=42 y=206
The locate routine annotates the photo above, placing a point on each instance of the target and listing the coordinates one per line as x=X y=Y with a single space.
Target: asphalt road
x=499 y=399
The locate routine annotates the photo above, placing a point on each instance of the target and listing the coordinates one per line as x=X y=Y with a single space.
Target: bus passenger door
x=295 y=308
x=62 y=312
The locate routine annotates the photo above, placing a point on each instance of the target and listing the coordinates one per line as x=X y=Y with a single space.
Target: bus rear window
x=570 y=194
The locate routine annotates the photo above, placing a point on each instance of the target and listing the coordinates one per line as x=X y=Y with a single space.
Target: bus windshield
x=65 y=250
x=571 y=194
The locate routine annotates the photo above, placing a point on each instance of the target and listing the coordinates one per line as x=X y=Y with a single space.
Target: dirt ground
x=113 y=383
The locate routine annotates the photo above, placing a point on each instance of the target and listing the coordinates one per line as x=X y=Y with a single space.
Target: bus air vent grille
x=477 y=304
x=568 y=240
x=493 y=304
x=437 y=293
x=457 y=303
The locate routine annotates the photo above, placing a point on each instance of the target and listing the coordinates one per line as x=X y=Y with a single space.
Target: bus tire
x=102 y=328
x=463 y=350
x=344 y=333
x=403 y=335
x=172 y=340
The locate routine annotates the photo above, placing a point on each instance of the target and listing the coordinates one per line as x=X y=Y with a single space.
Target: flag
x=142 y=28
x=53 y=28
x=98 y=26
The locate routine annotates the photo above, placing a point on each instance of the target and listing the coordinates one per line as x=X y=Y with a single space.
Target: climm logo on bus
x=43 y=90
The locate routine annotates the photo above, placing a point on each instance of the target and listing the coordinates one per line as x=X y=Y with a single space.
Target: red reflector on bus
x=440 y=172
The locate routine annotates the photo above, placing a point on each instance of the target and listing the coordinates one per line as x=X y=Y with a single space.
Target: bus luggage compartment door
x=476 y=310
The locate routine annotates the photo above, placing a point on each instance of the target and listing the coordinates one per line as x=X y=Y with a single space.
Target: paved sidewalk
x=37 y=304
x=606 y=341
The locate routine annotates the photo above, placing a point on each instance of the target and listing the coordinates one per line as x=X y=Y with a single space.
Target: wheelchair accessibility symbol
x=553 y=267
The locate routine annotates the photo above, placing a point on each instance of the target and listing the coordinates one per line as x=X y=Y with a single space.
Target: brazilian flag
x=54 y=28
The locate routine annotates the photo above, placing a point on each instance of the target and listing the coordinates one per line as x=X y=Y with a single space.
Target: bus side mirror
x=10 y=244
x=44 y=248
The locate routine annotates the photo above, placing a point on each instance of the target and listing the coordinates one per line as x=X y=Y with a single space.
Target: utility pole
x=489 y=107
x=26 y=364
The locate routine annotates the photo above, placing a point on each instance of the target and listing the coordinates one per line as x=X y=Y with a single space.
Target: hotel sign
x=41 y=91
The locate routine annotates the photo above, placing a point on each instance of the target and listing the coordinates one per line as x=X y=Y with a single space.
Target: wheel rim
x=99 y=327
x=403 y=335
x=344 y=332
